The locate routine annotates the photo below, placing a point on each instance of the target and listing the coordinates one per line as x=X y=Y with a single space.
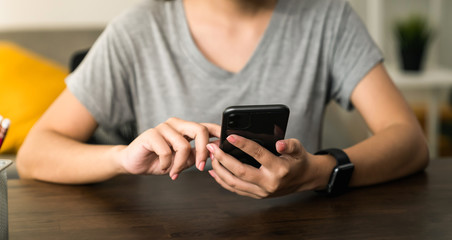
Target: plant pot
x=412 y=59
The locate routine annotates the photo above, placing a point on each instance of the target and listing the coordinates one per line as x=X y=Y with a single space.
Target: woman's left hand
x=295 y=170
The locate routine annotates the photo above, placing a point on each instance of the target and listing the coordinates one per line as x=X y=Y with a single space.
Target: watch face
x=340 y=178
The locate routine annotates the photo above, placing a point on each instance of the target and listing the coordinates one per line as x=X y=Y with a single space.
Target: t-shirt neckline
x=192 y=52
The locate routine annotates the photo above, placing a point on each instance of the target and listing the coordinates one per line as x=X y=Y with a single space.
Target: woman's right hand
x=166 y=148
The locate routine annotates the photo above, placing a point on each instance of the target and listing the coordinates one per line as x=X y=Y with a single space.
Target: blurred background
x=39 y=37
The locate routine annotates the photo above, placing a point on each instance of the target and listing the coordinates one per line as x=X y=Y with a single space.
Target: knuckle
x=240 y=143
x=190 y=162
x=272 y=187
x=201 y=130
x=165 y=154
x=240 y=172
x=183 y=146
x=296 y=141
x=171 y=119
x=150 y=132
x=298 y=145
x=160 y=126
x=164 y=165
x=293 y=144
x=230 y=183
x=258 y=152
x=283 y=170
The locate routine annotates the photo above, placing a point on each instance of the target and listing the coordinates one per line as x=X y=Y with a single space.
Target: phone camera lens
x=233 y=120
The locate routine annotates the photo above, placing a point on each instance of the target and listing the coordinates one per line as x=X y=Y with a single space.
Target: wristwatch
x=342 y=172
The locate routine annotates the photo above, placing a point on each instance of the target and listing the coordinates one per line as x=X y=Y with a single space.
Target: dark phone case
x=264 y=124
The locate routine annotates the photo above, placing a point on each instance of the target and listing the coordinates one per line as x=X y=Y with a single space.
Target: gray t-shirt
x=146 y=68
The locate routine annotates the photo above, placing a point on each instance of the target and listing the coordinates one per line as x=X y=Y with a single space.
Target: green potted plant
x=413 y=35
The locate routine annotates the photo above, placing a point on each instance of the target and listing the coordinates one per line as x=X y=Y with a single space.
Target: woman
x=171 y=67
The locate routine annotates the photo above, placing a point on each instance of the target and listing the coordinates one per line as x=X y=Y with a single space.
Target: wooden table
x=195 y=207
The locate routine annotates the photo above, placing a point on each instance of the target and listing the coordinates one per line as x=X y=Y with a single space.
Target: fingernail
x=231 y=139
x=212 y=173
x=280 y=145
x=210 y=148
x=201 y=166
x=211 y=156
x=174 y=177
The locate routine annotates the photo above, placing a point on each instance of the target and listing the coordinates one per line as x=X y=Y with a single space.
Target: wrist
x=325 y=165
x=117 y=155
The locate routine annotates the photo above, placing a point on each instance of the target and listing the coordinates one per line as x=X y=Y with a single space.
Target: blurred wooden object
x=445 y=131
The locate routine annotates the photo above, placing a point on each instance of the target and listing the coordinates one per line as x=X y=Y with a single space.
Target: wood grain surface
x=195 y=207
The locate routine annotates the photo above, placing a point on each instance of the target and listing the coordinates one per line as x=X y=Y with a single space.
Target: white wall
x=64 y=14
x=394 y=10
x=445 y=41
x=58 y=14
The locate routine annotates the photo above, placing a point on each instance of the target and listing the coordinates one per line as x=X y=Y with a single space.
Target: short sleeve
x=354 y=55
x=102 y=81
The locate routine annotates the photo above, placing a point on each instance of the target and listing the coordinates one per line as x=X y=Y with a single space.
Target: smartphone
x=264 y=124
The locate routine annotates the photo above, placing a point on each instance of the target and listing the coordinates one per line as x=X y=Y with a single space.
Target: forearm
x=52 y=157
x=398 y=147
x=397 y=151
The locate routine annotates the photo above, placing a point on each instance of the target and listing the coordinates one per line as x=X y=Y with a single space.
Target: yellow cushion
x=28 y=85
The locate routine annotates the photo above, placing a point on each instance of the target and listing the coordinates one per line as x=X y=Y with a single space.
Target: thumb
x=289 y=146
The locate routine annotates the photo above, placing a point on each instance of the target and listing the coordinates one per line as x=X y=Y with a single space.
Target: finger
x=216 y=142
x=234 y=182
x=227 y=187
x=261 y=154
x=214 y=129
x=241 y=170
x=191 y=159
x=156 y=143
x=289 y=146
x=197 y=132
x=180 y=146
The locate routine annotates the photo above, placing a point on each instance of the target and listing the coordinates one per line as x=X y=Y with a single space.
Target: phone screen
x=264 y=124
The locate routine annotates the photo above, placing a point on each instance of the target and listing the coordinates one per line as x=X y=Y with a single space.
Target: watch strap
x=340 y=156
x=341 y=174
